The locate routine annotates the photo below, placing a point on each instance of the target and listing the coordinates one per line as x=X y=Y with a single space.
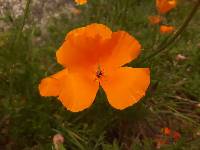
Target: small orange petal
x=79 y=91
x=84 y=46
x=164 y=6
x=81 y=2
x=125 y=86
x=166 y=29
x=121 y=49
x=155 y=19
x=51 y=86
x=167 y=131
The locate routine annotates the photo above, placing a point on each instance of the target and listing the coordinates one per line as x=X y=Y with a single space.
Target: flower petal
x=79 y=91
x=51 y=86
x=83 y=46
x=123 y=48
x=81 y=2
x=125 y=86
x=164 y=6
x=166 y=29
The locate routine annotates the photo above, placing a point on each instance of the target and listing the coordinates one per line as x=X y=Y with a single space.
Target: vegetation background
x=30 y=34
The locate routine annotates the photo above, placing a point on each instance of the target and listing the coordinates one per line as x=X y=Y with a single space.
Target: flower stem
x=21 y=26
x=172 y=39
x=26 y=13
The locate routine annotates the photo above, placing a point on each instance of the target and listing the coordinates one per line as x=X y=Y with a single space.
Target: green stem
x=26 y=13
x=16 y=38
x=174 y=36
x=18 y=35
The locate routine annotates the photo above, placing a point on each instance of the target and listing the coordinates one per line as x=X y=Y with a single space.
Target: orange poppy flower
x=93 y=56
x=168 y=137
x=167 y=131
x=166 y=29
x=155 y=19
x=81 y=2
x=164 y=6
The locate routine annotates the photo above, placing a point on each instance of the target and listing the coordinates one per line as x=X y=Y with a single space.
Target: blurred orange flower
x=81 y=2
x=155 y=19
x=167 y=131
x=174 y=134
x=166 y=29
x=93 y=56
x=164 y=6
x=167 y=136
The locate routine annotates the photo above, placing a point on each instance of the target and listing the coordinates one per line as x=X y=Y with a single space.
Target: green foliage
x=29 y=121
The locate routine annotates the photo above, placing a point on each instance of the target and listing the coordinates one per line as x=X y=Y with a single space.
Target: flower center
x=99 y=72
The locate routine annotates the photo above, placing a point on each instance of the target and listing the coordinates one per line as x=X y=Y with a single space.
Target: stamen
x=99 y=72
